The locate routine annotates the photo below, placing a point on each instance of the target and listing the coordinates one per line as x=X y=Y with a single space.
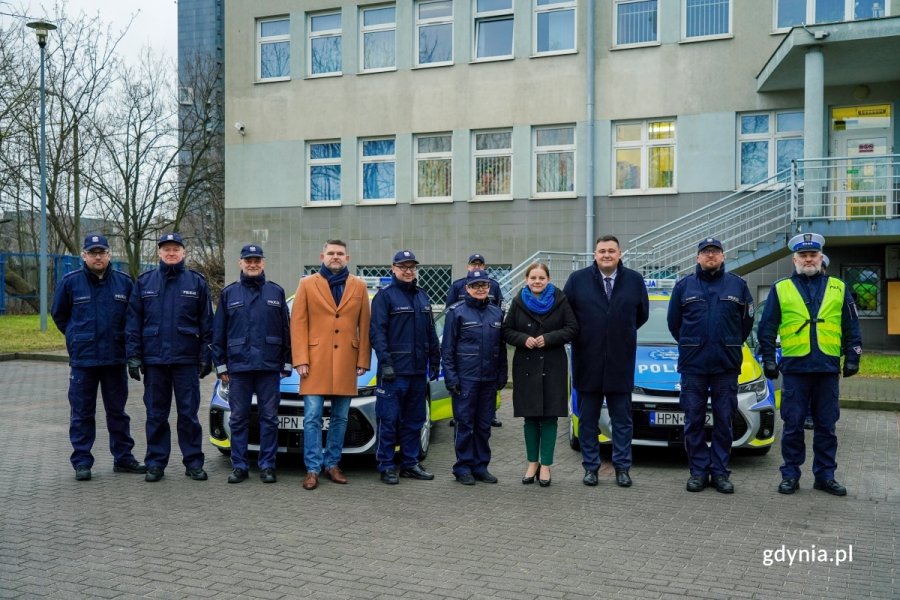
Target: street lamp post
x=41 y=29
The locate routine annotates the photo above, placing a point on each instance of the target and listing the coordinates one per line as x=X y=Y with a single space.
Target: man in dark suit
x=610 y=304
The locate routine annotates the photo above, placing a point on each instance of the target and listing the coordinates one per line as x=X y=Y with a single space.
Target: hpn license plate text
x=295 y=422
x=674 y=419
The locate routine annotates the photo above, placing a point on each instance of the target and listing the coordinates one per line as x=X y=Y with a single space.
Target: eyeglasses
x=479 y=286
x=711 y=251
x=404 y=269
x=97 y=252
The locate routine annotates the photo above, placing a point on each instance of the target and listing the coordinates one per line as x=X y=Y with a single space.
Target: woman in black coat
x=539 y=324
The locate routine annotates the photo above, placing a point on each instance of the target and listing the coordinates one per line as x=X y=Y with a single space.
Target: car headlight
x=223 y=390
x=757 y=386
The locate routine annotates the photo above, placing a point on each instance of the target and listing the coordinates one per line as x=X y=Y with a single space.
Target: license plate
x=295 y=423
x=673 y=419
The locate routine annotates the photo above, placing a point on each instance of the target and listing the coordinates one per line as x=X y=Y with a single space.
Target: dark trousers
x=113 y=383
x=242 y=386
x=815 y=394
x=619 y=406
x=722 y=391
x=473 y=410
x=160 y=382
x=400 y=410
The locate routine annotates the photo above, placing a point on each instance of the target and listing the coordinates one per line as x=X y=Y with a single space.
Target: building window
x=378 y=28
x=554 y=26
x=706 y=18
x=325 y=44
x=324 y=168
x=797 y=12
x=378 y=170
x=635 y=22
x=493 y=29
x=864 y=283
x=493 y=165
x=274 y=40
x=645 y=156
x=554 y=162
x=767 y=143
x=434 y=39
x=434 y=167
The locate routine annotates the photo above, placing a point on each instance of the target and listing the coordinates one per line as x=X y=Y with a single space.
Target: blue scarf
x=335 y=282
x=539 y=305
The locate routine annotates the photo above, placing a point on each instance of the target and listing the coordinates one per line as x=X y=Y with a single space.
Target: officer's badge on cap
x=477 y=258
x=252 y=250
x=806 y=242
x=95 y=241
x=709 y=243
x=171 y=237
x=405 y=256
x=476 y=276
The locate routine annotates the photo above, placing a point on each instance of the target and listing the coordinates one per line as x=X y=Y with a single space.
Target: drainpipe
x=589 y=116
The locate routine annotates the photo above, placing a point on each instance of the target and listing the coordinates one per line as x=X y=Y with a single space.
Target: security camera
x=240 y=127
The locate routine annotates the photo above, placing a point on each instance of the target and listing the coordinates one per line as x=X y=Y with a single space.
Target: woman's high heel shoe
x=530 y=479
x=545 y=482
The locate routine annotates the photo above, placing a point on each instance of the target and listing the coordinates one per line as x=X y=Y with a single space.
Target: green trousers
x=540 y=439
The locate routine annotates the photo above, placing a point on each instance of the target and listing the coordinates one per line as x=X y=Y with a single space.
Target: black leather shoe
x=808 y=423
x=831 y=486
x=696 y=483
x=485 y=477
x=495 y=422
x=723 y=485
x=528 y=480
x=237 y=476
x=590 y=478
x=466 y=479
x=196 y=473
x=132 y=466
x=416 y=472
x=623 y=479
x=389 y=476
x=788 y=485
x=154 y=474
x=268 y=475
x=82 y=473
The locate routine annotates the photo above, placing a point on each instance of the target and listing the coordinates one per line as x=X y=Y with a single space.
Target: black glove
x=434 y=371
x=851 y=368
x=135 y=368
x=454 y=389
x=204 y=369
x=770 y=369
x=387 y=373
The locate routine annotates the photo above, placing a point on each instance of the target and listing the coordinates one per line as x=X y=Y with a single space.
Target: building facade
x=459 y=126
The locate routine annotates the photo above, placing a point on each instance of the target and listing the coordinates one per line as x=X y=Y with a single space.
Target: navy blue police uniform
x=710 y=316
x=457 y=289
x=404 y=340
x=90 y=311
x=252 y=345
x=475 y=367
x=810 y=383
x=168 y=332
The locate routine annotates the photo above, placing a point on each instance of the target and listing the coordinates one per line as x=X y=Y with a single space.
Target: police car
x=657 y=417
x=361 y=425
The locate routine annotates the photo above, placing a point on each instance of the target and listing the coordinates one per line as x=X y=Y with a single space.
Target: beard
x=808 y=271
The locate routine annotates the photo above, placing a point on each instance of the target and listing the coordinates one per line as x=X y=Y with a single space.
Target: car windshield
x=656 y=331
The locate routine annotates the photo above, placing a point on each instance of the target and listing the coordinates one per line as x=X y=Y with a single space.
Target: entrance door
x=862 y=181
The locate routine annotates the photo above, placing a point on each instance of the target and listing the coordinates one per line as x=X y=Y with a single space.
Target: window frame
x=317 y=162
x=729 y=33
x=810 y=14
x=380 y=158
x=772 y=137
x=876 y=269
x=476 y=154
x=644 y=145
x=426 y=156
x=272 y=39
x=558 y=6
x=615 y=38
x=380 y=28
x=492 y=16
x=328 y=33
x=551 y=149
x=420 y=23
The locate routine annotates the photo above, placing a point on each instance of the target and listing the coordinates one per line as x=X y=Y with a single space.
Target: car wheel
x=574 y=444
x=225 y=451
x=425 y=434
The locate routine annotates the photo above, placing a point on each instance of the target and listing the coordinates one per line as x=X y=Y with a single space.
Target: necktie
x=607 y=285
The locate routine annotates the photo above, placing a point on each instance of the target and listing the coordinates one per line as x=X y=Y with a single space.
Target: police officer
x=710 y=316
x=817 y=320
x=406 y=345
x=89 y=309
x=252 y=351
x=169 y=329
x=474 y=359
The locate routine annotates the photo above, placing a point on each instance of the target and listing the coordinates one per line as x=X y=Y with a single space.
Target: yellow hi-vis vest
x=796 y=322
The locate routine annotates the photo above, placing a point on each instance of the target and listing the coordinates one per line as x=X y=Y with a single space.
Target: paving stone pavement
x=119 y=537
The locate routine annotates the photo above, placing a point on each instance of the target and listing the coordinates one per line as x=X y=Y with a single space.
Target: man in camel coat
x=330 y=346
